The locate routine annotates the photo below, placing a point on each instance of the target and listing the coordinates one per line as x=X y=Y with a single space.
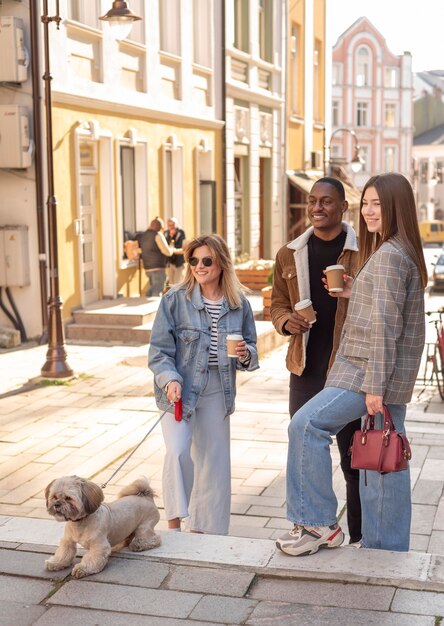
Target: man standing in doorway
x=155 y=252
x=298 y=275
x=175 y=237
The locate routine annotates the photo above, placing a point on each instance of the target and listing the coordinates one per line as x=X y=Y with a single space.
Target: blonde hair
x=229 y=283
x=398 y=217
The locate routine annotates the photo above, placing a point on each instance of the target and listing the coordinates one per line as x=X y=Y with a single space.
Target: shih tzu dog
x=100 y=528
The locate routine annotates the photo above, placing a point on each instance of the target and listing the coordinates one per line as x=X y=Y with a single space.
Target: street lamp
x=121 y=19
x=357 y=161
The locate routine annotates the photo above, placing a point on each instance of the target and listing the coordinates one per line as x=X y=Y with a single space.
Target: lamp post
x=357 y=161
x=55 y=365
x=121 y=19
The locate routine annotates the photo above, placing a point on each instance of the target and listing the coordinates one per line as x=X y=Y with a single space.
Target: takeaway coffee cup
x=232 y=341
x=305 y=308
x=335 y=277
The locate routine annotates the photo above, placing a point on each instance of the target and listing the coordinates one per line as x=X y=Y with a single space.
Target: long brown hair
x=398 y=217
x=229 y=282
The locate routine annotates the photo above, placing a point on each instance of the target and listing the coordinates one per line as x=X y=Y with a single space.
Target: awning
x=305 y=182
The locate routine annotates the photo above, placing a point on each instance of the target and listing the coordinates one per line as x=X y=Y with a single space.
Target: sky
x=416 y=26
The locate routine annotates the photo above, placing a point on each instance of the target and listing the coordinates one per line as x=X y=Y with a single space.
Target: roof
x=434 y=136
x=305 y=182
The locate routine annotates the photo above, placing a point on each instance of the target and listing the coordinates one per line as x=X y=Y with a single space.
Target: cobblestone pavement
x=88 y=426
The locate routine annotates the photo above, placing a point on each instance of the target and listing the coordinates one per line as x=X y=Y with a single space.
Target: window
x=390 y=159
x=390 y=115
x=363 y=61
x=362 y=114
x=335 y=118
x=138 y=30
x=294 y=70
x=169 y=18
x=241 y=25
x=439 y=166
x=203 y=32
x=128 y=186
x=337 y=73
x=84 y=12
x=424 y=171
x=390 y=77
x=266 y=30
x=173 y=180
x=365 y=155
x=317 y=77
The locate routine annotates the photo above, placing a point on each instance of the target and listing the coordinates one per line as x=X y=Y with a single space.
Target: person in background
x=155 y=251
x=175 y=237
x=189 y=360
x=377 y=362
x=298 y=275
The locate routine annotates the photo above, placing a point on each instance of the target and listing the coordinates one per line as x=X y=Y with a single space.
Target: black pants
x=298 y=398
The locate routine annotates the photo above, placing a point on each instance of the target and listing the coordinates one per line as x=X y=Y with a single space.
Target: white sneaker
x=305 y=540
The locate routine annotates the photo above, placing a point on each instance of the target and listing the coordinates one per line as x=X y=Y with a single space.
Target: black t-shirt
x=320 y=342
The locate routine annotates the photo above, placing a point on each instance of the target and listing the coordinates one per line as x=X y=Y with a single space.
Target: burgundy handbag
x=380 y=450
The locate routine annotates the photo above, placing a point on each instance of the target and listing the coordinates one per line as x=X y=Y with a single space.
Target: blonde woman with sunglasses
x=189 y=360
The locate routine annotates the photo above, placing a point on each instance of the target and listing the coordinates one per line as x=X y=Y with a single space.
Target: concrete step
x=129 y=312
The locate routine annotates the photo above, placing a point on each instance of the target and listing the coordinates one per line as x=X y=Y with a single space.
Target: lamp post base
x=55 y=365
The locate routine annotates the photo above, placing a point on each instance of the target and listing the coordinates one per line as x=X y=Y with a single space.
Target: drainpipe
x=38 y=161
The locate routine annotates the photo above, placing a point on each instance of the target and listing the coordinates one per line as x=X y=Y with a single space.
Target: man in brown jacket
x=298 y=275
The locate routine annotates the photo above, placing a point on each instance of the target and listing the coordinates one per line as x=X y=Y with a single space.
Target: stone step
x=109 y=333
x=128 y=312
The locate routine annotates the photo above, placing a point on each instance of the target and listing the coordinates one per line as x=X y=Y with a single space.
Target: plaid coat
x=384 y=332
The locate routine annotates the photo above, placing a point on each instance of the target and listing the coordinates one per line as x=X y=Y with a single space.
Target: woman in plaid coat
x=377 y=361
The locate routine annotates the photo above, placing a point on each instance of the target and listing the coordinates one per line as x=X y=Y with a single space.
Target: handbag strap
x=369 y=422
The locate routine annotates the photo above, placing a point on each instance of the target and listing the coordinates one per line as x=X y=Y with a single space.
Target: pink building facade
x=372 y=94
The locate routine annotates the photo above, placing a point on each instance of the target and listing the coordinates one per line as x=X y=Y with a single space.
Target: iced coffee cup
x=232 y=341
x=305 y=309
x=335 y=278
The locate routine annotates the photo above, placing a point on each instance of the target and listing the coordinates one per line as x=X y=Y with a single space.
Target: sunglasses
x=207 y=261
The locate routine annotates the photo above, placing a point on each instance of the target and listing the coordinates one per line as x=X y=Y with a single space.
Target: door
x=88 y=239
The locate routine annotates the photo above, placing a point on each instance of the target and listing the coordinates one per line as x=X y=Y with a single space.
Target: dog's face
x=71 y=498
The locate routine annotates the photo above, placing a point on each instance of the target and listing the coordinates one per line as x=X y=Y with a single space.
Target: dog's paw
x=53 y=566
x=139 y=544
x=78 y=571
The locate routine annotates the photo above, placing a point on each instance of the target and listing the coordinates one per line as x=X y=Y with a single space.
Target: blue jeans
x=156 y=282
x=385 y=499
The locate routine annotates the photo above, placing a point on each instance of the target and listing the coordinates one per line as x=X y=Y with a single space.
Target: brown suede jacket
x=291 y=283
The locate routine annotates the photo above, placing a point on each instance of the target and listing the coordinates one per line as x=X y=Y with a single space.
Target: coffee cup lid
x=303 y=304
x=334 y=267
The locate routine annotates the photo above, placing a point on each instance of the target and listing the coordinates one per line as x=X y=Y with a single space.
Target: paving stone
x=19 y=613
x=89 y=617
x=323 y=593
x=132 y=572
x=219 y=609
x=27 y=564
x=272 y=613
x=205 y=580
x=23 y=590
x=422 y=519
x=418 y=602
x=125 y=599
x=433 y=469
x=267 y=511
x=427 y=492
x=419 y=543
x=436 y=542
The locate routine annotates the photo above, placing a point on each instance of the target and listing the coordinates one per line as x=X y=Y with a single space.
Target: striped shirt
x=213 y=307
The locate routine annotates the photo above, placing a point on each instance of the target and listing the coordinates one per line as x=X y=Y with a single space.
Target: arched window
x=363 y=67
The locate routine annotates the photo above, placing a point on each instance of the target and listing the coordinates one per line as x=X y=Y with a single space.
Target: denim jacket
x=180 y=346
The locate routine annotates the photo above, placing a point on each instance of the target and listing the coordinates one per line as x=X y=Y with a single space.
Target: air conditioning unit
x=13 y=54
x=316 y=160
